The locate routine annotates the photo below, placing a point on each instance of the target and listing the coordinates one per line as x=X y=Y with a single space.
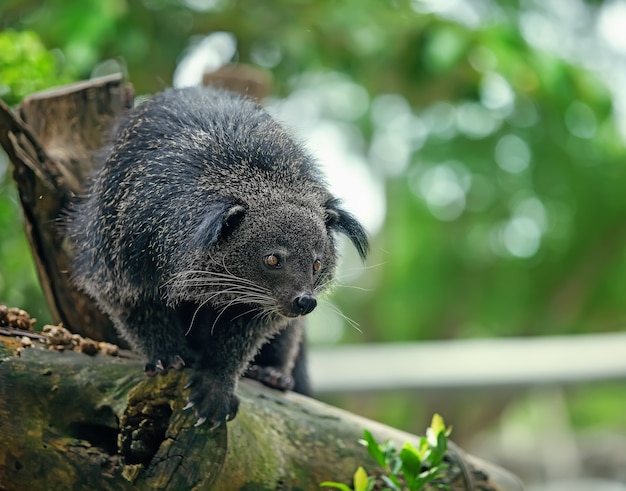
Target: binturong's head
x=273 y=256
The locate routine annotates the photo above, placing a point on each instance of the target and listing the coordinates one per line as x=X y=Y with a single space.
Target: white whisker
x=351 y=322
x=193 y=318
x=353 y=287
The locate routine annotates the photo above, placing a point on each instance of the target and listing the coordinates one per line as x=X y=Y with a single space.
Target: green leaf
x=425 y=477
x=442 y=442
x=411 y=462
x=424 y=449
x=373 y=448
x=361 y=480
x=395 y=465
x=336 y=485
x=437 y=436
x=437 y=424
x=389 y=451
x=392 y=482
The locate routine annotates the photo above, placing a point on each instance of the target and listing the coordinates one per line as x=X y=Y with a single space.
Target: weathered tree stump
x=53 y=144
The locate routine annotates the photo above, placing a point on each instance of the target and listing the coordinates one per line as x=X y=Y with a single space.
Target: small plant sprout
x=361 y=482
x=410 y=469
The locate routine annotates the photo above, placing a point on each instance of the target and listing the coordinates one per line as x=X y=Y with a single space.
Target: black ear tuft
x=342 y=221
x=219 y=219
x=233 y=216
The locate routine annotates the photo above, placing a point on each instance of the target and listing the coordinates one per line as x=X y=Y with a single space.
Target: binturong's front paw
x=214 y=400
x=162 y=364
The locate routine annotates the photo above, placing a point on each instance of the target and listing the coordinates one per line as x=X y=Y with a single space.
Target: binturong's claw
x=189 y=405
x=215 y=426
x=177 y=363
x=212 y=398
x=158 y=365
x=151 y=369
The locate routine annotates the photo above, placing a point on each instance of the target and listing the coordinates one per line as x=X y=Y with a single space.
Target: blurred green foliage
x=529 y=237
x=25 y=65
x=504 y=215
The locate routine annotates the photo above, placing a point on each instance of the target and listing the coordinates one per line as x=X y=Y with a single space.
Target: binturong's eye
x=272 y=261
x=317 y=265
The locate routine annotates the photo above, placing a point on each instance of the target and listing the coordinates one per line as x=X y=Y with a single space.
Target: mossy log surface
x=73 y=421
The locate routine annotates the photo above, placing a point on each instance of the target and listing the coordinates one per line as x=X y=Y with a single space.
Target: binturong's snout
x=304 y=304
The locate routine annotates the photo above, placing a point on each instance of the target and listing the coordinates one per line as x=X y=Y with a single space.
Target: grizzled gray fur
x=206 y=236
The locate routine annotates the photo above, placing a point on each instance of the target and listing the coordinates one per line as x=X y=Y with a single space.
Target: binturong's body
x=206 y=236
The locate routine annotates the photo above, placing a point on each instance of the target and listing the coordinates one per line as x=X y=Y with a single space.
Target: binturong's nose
x=304 y=304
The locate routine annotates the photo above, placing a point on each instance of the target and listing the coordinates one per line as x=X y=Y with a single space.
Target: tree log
x=73 y=421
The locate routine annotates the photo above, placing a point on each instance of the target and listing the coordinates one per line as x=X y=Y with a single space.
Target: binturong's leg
x=222 y=351
x=281 y=363
x=155 y=332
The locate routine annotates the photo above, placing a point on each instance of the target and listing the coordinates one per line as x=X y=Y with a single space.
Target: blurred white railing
x=474 y=363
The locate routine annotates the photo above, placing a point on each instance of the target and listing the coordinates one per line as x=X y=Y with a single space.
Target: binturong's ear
x=219 y=219
x=340 y=220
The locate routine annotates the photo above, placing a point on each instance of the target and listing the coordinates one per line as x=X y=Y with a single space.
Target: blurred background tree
x=482 y=142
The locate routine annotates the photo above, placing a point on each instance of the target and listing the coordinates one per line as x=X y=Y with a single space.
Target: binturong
x=206 y=236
